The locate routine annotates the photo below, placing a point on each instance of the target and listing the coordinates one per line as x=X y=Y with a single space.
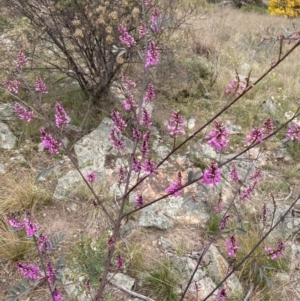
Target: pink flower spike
x=150 y=94
x=217 y=138
x=23 y=113
x=61 y=116
x=21 y=60
x=221 y=295
x=223 y=222
x=56 y=295
x=15 y=223
x=176 y=124
x=146 y=119
x=125 y=38
x=232 y=246
x=234 y=175
x=116 y=141
x=255 y=136
x=152 y=55
x=268 y=125
x=30 y=227
x=50 y=272
x=44 y=243
x=91 y=177
x=293 y=132
x=136 y=165
x=156 y=21
x=149 y=167
x=278 y=252
x=49 y=142
x=29 y=271
x=139 y=202
x=40 y=86
x=212 y=176
x=119 y=123
x=110 y=242
x=12 y=86
x=120 y=263
x=175 y=186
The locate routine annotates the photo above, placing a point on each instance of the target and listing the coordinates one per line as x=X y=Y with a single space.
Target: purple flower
x=127 y=84
x=139 y=202
x=50 y=272
x=232 y=246
x=148 y=3
x=40 y=86
x=268 y=125
x=150 y=94
x=56 y=295
x=119 y=123
x=221 y=295
x=293 y=132
x=257 y=175
x=122 y=175
x=129 y=102
x=125 y=38
x=146 y=119
x=248 y=191
x=175 y=186
x=152 y=55
x=175 y=126
x=30 y=227
x=142 y=30
x=145 y=145
x=61 y=116
x=116 y=141
x=29 y=271
x=223 y=222
x=149 y=167
x=110 y=242
x=277 y=253
x=23 y=113
x=255 y=136
x=91 y=177
x=15 y=223
x=156 y=21
x=120 y=263
x=136 y=134
x=12 y=86
x=49 y=142
x=234 y=175
x=232 y=86
x=217 y=138
x=21 y=60
x=212 y=175
x=136 y=165
x=44 y=243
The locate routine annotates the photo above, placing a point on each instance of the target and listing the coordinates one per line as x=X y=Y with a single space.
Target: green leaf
x=42 y=176
x=190 y=176
x=241 y=230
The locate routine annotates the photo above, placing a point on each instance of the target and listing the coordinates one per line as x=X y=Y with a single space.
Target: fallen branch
x=129 y=291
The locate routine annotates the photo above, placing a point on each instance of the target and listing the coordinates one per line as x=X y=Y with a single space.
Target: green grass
x=161 y=282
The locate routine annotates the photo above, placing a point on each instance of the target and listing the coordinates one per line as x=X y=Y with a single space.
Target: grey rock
x=7 y=112
x=186 y=266
x=234 y=129
x=128 y=229
x=123 y=280
x=155 y=219
x=218 y=268
x=165 y=245
x=92 y=148
x=7 y=138
x=68 y=185
x=269 y=106
x=2 y=169
x=289 y=226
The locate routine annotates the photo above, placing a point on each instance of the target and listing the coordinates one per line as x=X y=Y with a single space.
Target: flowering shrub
x=143 y=165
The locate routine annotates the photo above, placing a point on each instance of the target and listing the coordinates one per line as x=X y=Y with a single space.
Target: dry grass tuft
x=20 y=193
